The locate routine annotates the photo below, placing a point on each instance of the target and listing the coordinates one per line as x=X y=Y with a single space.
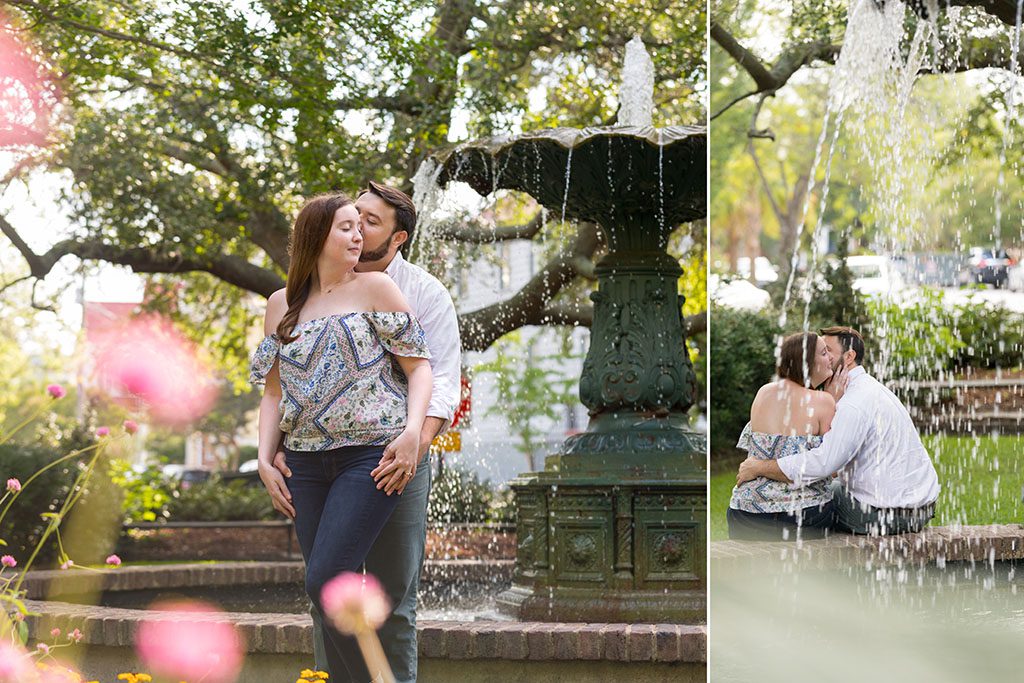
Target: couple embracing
x=845 y=457
x=361 y=369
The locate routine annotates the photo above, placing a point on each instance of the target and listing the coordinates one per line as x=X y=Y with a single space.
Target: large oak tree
x=192 y=129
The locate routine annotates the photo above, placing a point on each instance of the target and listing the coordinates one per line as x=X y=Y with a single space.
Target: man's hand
x=750 y=469
x=837 y=384
x=398 y=464
x=272 y=475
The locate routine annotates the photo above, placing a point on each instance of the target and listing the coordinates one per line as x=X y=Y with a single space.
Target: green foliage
x=216 y=501
x=742 y=360
x=91 y=528
x=530 y=387
x=147 y=493
x=921 y=338
x=911 y=339
x=459 y=497
x=194 y=128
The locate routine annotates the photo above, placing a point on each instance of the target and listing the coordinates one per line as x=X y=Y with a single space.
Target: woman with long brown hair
x=346 y=381
x=787 y=416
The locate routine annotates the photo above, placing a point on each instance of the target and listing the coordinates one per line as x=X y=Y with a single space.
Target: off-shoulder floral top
x=766 y=495
x=340 y=383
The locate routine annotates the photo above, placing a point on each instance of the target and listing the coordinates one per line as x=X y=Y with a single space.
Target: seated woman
x=787 y=416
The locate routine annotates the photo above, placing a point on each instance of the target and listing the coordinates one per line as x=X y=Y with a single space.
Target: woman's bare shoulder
x=277 y=306
x=382 y=292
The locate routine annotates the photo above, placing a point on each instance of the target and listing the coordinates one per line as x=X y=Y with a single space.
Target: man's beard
x=375 y=255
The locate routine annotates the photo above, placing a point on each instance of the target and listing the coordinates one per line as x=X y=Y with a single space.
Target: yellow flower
x=322 y=675
x=144 y=678
x=131 y=678
x=306 y=673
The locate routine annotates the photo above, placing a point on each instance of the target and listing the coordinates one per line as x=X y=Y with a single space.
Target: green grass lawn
x=981 y=479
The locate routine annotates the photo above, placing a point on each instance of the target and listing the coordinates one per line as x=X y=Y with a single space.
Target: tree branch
x=744 y=57
x=497 y=233
x=696 y=325
x=528 y=306
x=232 y=269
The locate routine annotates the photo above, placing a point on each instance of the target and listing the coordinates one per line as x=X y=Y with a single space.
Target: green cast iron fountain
x=613 y=529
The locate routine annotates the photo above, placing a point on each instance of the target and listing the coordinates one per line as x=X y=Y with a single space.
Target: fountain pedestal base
x=616 y=533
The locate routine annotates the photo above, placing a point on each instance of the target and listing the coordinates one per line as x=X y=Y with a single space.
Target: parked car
x=738 y=294
x=874 y=275
x=987 y=266
x=764 y=272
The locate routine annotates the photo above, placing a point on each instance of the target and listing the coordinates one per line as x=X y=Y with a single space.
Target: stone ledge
x=53 y=583
x=500 y=640
x=995 y=542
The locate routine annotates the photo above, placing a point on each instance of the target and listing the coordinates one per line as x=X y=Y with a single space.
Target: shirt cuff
x=790 y=468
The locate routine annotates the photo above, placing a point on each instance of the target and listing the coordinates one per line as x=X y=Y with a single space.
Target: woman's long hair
x=797 y=356
x=312 y=226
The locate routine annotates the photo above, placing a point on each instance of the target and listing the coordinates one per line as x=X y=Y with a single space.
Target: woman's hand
x=398 y=464
x=280 y=496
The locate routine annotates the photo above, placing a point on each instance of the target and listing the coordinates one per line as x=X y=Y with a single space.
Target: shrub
x=216 y=501
x=147 y=493
x=742 y=360
x=458 y=496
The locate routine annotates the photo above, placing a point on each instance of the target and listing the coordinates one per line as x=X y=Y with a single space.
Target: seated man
x=887 y=484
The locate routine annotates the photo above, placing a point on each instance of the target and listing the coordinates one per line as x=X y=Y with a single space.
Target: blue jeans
x=338 y=514
x=395 y=559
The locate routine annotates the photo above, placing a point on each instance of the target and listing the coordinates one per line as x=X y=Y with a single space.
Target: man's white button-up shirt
x=874 y=445
x=433 y=307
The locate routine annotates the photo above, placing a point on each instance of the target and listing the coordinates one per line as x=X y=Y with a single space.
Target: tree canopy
x=191 y=130
x=771 y=74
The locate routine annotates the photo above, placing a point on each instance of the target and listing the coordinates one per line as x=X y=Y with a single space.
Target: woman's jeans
x=810 y=522
x=338 y=514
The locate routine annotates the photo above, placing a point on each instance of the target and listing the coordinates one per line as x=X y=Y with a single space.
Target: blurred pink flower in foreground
x=103 y=431
x=113 y=561
x=355 y=602
x=56 y=391
x=55 y=632
x=8 y=561
x=131 y=426
x=28 y=93
x=191 y=645
x=75 y=635
x=147 y=363
x=15 y=666
x=13 y=485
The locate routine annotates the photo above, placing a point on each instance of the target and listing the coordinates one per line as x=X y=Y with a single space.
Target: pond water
x=961 y=621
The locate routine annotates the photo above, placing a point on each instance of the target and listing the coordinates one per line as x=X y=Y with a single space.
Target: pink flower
x=44 y=648
x=147 y=363
x=103 y=431
x=67 y=564
x=13 y=485
x=131 y=426
x=191 y=644
x=15 y=665
x=56 y=391
x=8 y=561
x=113 y=561
x=355 y=602
x=55 y=632
x=75 y=635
